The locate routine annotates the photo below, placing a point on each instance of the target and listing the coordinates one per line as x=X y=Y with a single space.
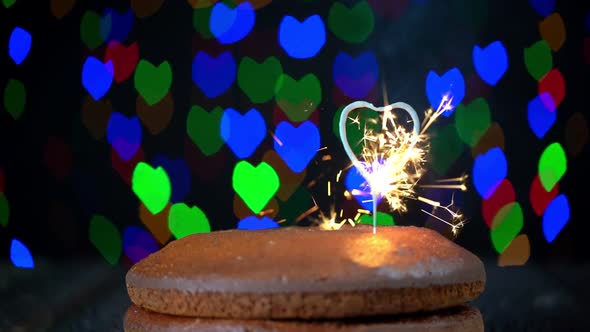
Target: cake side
x=460 y=319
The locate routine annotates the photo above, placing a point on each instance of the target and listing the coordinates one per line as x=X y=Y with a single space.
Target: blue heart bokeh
x=231 y=25
x=179 y=175
x=491 y=62
x=214 y=76
x=97 y=77
x=450 y=84
x=489 y=170
x=541 y=117
x=116 y=26
x=297 y=145
x=302 y=40
x=355 y=76
x=242 y=133
x=124 y=135
x=254 y=223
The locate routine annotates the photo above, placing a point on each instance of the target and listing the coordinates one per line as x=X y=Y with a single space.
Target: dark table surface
x=91 y=296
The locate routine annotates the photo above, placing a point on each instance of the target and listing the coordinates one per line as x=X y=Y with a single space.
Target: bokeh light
x=552 y=29
x=106 y=238
x=15 y=96
x=265 y=75
x=256 y=185
x=538 y=59
x=230 y=25
x=491 y=62
x=97 y=77
x=242 y=133
x=356 y=77
x=489 y=170
x=4 y=210
x=556 y=217
x=123 y=58
x=502 y=196
x=231 y=120
x=539 y=197
x=152 y=186
x=153 y=82
x=507 y=223
x=138 y=243
x=124 y=135
x=19 y=45
x=552 y=165
x=302 y=39
x=61 y=8
x=341 y=16
x=541 y=114
x=20 y=255
x=184 y=220
x=543 y=7
x=297 y=145
x=451 y=83
x=472 y=121
x=204 y=129
x=214 y=75
x=254 y=223
x=298 y=98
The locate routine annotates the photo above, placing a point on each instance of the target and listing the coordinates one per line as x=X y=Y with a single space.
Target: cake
x=306 y=273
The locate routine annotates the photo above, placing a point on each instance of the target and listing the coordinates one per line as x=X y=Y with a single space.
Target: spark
x=356 y=120
x=307 y=213
x=392 y=160
x=457 y=179
x=266 y=212
x=328 y=222
x=461 y=187
x=276 y=138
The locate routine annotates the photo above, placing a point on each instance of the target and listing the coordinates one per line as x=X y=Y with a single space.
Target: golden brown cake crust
x=459 y=319
x=305 y=305
x=301 y=272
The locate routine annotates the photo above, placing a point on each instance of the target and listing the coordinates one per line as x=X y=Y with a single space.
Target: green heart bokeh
x=552 y=166
x=152 y=82
x=184 y=220
x=203 y=129
x=298 y=99
x=106 y=238
x=152 y=187
x=258 y=81
x=353 y=25
x=445 y=148
x=472 y=121
x=538 y=59
x=15 y=98
x=506 y=225
x=90 y=30
x=255 y=185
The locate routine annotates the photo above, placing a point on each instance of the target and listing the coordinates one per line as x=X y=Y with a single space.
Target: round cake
x=306 y=273
x=458 y=319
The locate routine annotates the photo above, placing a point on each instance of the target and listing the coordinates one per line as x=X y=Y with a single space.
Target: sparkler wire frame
x=356 y=163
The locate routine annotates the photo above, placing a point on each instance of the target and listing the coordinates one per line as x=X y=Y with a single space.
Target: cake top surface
x=308 y=259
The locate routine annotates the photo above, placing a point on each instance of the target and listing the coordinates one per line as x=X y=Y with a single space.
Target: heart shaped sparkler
x=367 y=169
x=392 y=159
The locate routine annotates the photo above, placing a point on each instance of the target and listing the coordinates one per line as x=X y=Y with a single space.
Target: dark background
x=51 y=216
x=434 y=35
